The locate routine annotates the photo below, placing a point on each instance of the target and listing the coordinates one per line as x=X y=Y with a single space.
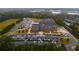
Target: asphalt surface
x=73 y=40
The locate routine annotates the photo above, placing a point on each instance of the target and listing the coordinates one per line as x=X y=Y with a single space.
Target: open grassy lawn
x=4 y=24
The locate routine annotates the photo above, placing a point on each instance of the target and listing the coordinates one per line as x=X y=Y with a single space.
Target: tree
x=61 y=48
x=77 y=48
x=5 y=43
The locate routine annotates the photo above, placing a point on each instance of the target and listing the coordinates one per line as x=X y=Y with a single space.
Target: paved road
x=72 y=39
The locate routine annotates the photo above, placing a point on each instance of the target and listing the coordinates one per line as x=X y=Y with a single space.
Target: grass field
x=35 y=19
x=6 y=23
